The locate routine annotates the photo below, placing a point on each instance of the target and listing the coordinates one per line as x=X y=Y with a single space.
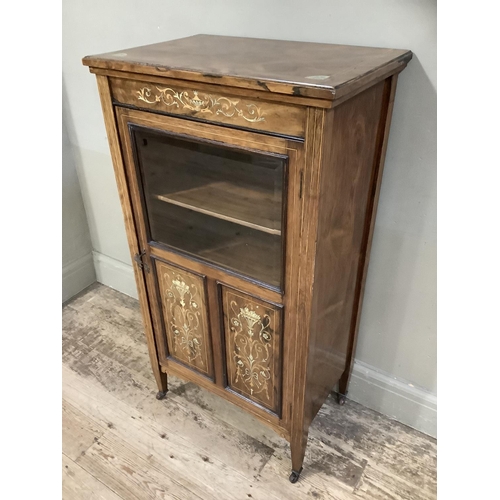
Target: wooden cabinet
x=249 y=172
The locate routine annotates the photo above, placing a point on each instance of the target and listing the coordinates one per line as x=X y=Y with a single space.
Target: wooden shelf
x=242 y=249
x=250 y=207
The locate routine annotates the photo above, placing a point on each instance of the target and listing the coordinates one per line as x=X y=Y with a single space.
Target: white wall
x=396 y=369
x=77 y=263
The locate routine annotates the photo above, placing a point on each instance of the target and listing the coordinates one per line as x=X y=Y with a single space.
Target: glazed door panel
x=186 y=328
x=253 y=344
x=218 y=203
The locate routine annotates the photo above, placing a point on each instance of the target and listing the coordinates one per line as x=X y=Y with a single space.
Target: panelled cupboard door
x=213 y=210
x=253 y=340
x=185 y=316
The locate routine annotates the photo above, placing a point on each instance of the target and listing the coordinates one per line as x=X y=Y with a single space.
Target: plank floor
x=120 y=442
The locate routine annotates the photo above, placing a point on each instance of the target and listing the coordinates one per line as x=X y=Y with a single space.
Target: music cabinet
x=249 y=172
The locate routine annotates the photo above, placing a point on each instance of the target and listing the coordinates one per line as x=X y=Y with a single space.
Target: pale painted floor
x=119 y=442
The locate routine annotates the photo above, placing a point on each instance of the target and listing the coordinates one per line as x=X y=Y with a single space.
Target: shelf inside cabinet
x=242 y=249
x=247 y=206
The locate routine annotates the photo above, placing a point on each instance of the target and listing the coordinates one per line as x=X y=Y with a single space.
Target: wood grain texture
x=174 y=125
x=78 y=432
x=371 y=214
x=78 y=484
x=305 y=250
x=291 y=299
x=317 y=70
x=131 y=474
x=206 y=105
x=226 y=89
x=178 y=455
x=253 y=340
x=346 y=179
x=162 y=449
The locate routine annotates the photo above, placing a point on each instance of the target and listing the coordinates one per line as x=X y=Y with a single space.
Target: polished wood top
x=318 y=70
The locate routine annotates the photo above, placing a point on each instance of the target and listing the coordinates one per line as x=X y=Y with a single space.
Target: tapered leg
x=161 y=380
x=298 y=450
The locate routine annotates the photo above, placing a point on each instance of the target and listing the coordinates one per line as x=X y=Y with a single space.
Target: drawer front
x=253 y=344
x=210 y=106
x=185 y=317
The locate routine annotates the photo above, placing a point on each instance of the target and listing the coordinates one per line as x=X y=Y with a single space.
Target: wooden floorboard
x=133 y=475
x=78 y=484
x=79 y=433
x=120 y=442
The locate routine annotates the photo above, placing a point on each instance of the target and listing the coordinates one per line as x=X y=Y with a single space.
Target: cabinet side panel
x=350 y=148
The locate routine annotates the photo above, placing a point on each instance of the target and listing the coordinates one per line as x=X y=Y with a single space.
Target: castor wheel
x=294 y=476
x=160 y=394
x=341 y=399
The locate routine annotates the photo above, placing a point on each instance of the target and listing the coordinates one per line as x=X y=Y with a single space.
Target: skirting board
x=115 y=274
x=374 y=389
x=76 y=276
x=395 y=398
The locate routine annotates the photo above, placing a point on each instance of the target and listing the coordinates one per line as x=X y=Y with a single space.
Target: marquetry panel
x=253 y=339
x=211 y=106
x=184 y=306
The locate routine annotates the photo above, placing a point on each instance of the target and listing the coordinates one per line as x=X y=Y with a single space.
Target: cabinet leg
x=298 y=450
x=161 y=381
x=344 y=382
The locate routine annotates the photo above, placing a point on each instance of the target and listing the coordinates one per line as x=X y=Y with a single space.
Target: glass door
x=219 y=203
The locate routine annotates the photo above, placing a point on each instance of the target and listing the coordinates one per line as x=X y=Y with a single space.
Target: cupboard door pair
x=251 y=334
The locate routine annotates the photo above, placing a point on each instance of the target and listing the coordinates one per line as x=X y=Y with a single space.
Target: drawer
x=194 y=101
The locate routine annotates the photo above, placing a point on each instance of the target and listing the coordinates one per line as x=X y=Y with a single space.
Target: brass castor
x=294 y=476
x=160 y=394
x=341 y=399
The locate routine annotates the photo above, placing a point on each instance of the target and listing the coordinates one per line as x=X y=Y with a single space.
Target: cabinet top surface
x=299 y=68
